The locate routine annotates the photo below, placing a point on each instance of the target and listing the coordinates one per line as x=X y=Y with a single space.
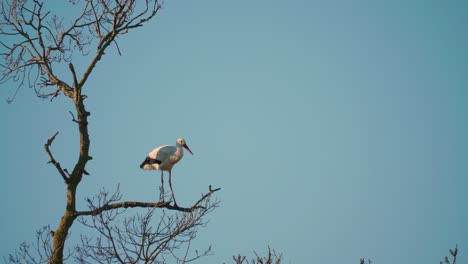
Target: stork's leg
x=170 y=185
x=161 y=189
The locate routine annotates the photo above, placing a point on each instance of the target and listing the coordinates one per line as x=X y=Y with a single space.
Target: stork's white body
x=167 y=155
x=163 y=158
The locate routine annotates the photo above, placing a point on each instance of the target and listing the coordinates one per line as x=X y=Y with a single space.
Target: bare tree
x=34 y=43
x=39 y=252
x=126 y=237
x=140 y=238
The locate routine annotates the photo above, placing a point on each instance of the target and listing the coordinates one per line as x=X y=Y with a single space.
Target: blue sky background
x=336 y=129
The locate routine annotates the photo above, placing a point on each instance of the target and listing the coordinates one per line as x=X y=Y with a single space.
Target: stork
x=163 y=158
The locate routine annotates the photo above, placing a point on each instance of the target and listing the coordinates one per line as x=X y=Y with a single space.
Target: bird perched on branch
x=163 y=158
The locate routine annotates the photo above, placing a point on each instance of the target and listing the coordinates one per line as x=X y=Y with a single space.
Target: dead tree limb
x=133 y=204
x=453 y=253
x=140 y=239
x=52 y=159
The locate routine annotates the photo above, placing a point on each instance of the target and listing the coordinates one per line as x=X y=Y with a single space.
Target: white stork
x=163 y=158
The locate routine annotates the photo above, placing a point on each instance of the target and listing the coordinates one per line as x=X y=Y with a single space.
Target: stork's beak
x=188 y=149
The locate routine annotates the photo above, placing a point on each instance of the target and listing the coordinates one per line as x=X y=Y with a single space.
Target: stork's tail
x=143 y=164
x=149 y=161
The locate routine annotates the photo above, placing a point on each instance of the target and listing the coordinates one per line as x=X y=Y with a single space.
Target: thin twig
x=73 y=117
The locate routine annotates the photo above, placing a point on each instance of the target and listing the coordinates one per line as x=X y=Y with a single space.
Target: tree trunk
x=66 y=222
x=70 y=215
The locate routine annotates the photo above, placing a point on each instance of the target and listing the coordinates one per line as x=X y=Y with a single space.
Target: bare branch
x=73 y=117
x=271 y=258
x=38 y=252
x=52 y=159
x=75 y=80
x=132 y=204
x=453 y=253
x=204 y=197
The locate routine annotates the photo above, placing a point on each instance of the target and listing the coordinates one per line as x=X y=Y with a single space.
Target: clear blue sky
x=336 y=129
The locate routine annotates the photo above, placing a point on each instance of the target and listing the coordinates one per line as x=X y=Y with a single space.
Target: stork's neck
x=179 y=151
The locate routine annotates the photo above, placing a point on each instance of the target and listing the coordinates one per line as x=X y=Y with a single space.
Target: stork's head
x=181 y=142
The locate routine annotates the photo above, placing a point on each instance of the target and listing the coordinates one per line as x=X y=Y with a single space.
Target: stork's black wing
x=149 y=161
